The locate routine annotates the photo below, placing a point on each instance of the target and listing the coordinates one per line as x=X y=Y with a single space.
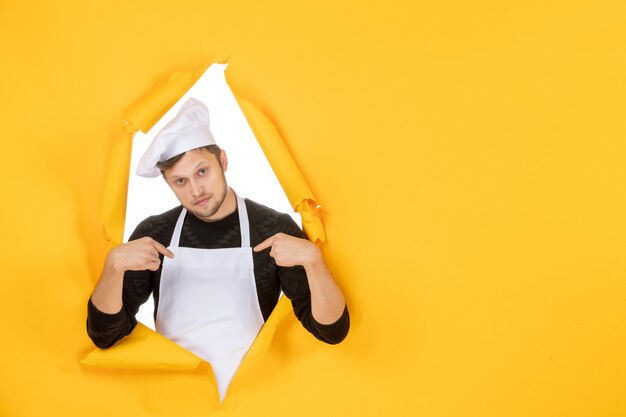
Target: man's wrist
x=315 y=260
x=112 y=267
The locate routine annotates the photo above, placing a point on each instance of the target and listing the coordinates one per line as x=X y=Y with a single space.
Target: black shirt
x=106 y=329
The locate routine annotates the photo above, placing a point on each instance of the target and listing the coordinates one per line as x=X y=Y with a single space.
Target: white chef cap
x=188 y=130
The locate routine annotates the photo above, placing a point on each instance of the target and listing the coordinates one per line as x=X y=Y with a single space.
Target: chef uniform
x=208 y=299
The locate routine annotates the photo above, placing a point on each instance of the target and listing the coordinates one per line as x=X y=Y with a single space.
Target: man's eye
x=180 y=181
x=202 y=171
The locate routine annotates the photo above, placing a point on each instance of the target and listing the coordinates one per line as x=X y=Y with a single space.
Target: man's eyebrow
x=182 y=176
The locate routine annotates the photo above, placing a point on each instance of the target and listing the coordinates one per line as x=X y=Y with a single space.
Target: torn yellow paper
x=288 y=173
x=148 y=110
x=113 y=206
x=144 y=348
x=471 y=155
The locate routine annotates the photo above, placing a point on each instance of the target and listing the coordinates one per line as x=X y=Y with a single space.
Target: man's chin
x=203 y=213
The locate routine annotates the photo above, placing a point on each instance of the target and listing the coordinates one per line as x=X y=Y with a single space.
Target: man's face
x=199 y=183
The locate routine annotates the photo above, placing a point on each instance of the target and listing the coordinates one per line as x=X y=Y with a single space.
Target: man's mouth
x=202 y=201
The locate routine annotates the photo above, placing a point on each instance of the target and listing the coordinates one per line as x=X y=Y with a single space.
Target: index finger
x=162 y=249
x=265 y=244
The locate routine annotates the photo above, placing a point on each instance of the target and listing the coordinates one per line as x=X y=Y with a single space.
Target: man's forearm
x=327 y=300
x=107 y=296
x=138 y=255
x=107 y=321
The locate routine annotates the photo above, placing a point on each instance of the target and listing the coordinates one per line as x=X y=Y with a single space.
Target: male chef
x=215 y=264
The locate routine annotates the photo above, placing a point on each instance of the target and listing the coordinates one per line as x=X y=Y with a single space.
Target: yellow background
x=469 y=157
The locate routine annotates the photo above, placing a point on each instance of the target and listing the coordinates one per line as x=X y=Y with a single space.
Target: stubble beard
x=217 y=201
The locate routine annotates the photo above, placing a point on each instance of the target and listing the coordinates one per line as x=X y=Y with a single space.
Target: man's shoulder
x=258 y=210
x=168 y=215
x=157 y=226
x=267 y=221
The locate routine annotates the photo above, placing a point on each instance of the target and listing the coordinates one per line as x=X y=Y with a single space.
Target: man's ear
x=223 y=160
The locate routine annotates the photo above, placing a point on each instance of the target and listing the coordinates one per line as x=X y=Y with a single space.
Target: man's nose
x=196 y=188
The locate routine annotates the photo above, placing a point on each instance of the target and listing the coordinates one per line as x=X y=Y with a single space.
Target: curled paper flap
x=148 y=110
x=296 y=188
x=113 y=205
x=143 y=349
x=264 y=339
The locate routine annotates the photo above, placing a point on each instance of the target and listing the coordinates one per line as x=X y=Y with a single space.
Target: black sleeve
x=106 y=329
x=295 y=285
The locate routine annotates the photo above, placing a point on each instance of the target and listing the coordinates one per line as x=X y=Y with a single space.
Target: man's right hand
x=137 y=255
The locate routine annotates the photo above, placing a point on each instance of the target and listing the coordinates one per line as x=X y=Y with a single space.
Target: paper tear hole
x=249 y=172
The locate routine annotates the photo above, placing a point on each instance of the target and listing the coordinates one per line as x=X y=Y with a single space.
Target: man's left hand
x=290 y=251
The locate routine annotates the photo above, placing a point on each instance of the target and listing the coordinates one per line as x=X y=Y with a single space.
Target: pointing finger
x=265 y=244
x=162 y=249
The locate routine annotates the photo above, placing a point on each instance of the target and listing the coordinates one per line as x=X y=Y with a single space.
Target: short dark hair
x=167 y=164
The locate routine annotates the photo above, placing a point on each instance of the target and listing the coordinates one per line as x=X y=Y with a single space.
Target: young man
x=228 y=259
